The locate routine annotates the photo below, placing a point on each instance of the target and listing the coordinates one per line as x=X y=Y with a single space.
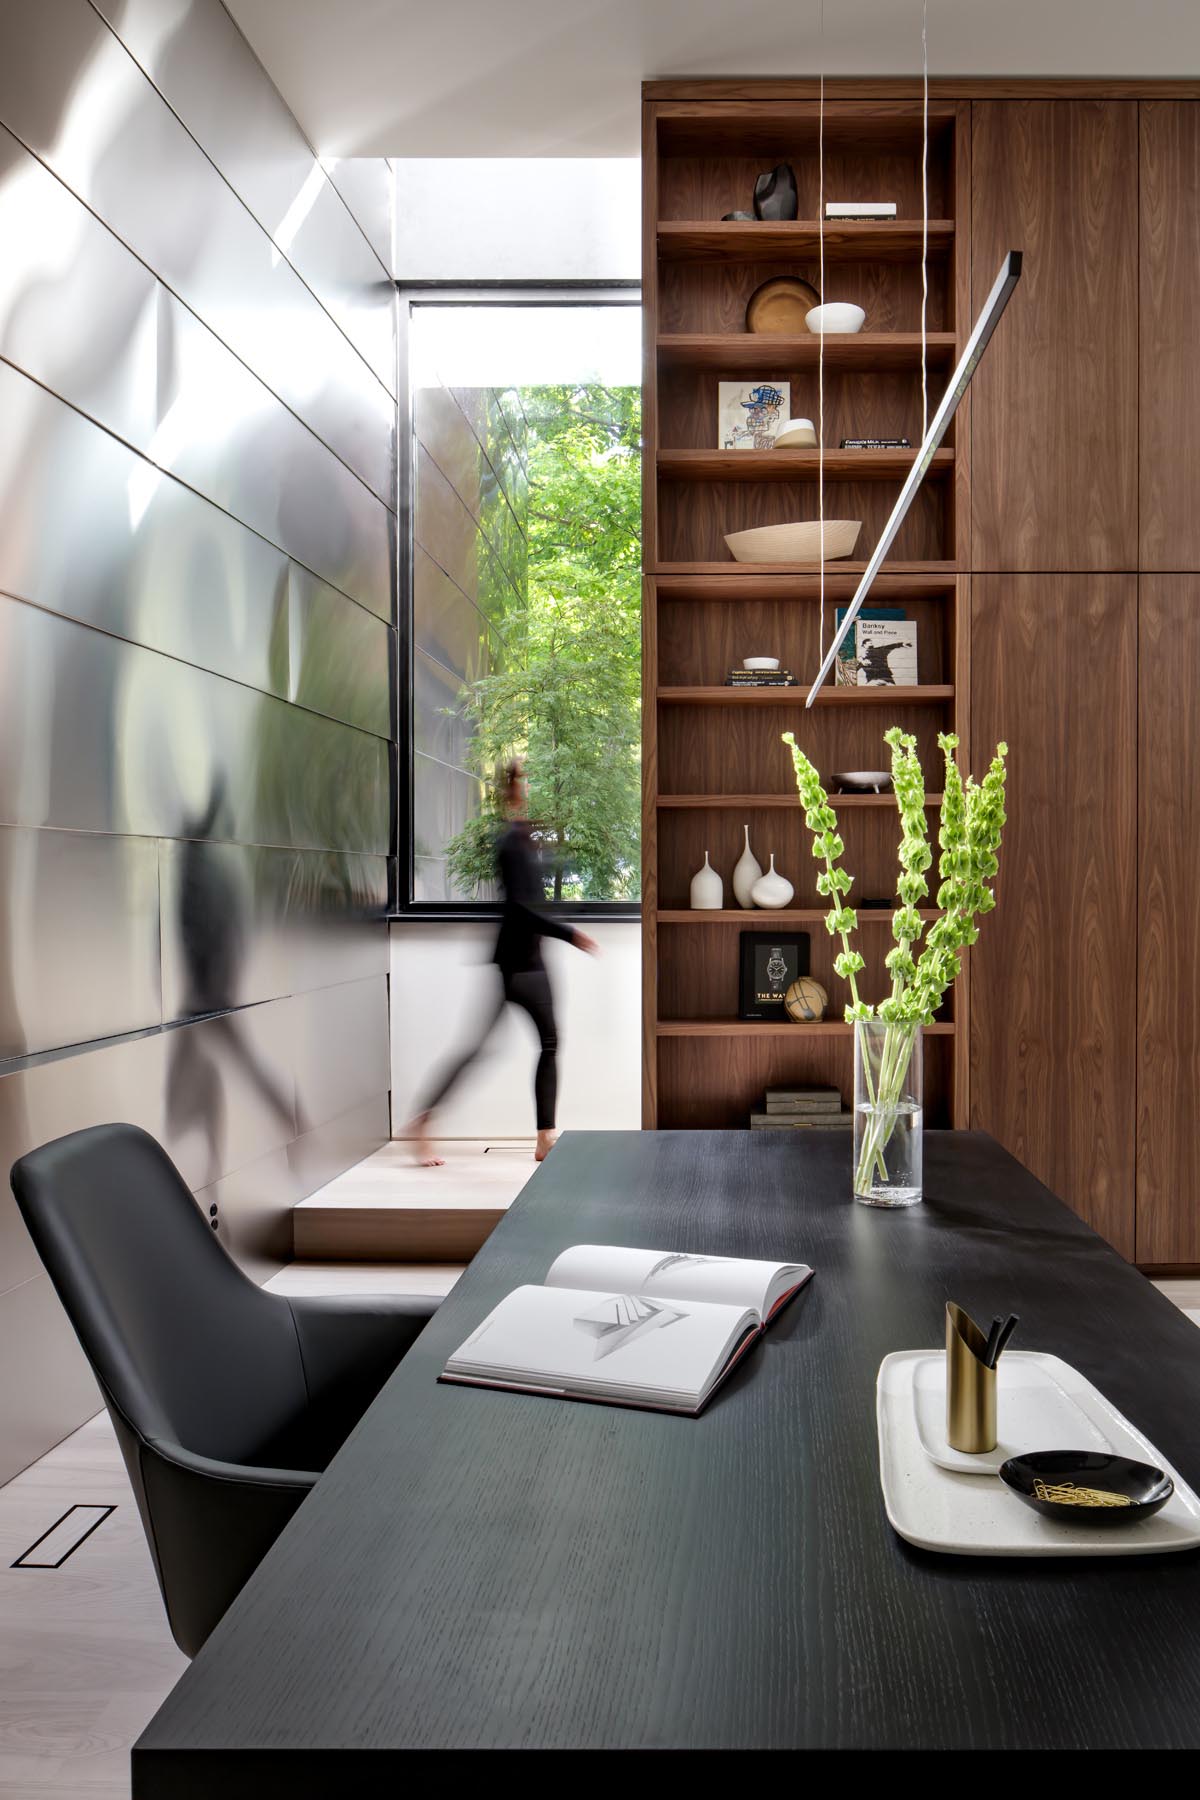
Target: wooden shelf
x=796 y=465
x=724 y=1028
x=794 y=696
x=784 y=571
x=743 y=802
x=869 y=915
x=863 y=350
x=839 y=585
x=764 y=240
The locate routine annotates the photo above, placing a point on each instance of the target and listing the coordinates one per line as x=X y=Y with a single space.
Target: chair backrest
x=186 y=1346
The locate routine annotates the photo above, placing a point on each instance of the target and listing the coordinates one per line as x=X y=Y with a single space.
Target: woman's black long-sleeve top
x=522 y=924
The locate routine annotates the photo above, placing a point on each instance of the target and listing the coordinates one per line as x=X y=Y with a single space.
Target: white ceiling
x=483 y=78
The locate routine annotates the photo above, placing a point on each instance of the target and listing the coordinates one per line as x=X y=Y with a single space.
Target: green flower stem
x=970 y=828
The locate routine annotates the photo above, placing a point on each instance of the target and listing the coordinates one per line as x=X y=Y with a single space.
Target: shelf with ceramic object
x=740 y=802
x=791 y=915
x=767 y=240
x=865 y=351
x=742 y=572
x=797 y=465
x=731 y=1027
x=795 y=696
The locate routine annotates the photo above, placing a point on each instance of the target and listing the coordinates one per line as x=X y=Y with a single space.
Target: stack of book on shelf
x=802 y=1109
x=760 y=678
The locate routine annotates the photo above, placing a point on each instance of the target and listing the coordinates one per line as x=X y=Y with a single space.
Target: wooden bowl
x=780 y=306
x=794 y=543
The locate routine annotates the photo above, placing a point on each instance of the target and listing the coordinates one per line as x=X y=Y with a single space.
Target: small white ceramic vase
x=746 y=872
x=708 y=890
x=772 y=890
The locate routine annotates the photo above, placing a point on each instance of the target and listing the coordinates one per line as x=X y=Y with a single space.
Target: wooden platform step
x=387 y=1209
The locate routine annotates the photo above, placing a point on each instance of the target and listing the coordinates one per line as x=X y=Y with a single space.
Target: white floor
x=85 y=1654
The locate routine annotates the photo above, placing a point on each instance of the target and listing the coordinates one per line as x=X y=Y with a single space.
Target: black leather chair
x=228 y=1401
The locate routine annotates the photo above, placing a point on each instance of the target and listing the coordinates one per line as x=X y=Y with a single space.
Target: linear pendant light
x=977 y=343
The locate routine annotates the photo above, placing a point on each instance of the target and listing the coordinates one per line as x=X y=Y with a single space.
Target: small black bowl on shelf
x=1087 y=1487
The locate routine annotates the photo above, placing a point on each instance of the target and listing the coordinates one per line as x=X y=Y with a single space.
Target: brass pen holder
x=970 y=1385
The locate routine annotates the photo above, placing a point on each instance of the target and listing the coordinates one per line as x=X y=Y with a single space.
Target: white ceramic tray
x=1033 y=1412
x=940 y=1508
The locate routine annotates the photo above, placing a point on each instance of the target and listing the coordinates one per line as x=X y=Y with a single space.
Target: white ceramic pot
x=772 y=890
x=837 y=316
x=760 y=662
x=708 y=890
x=747 y=871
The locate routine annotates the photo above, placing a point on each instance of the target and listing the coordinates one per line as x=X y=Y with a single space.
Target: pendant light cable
x=923 y=211
x=821 y=302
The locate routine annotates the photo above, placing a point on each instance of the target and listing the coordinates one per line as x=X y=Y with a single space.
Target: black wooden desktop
x=483 y=1570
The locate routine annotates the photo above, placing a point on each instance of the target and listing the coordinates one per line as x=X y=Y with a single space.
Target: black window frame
x=459 y=293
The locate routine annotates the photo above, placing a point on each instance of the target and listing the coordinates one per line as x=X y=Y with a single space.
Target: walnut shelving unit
x=712 y=756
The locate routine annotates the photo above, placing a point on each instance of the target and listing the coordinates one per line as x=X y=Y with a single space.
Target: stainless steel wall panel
x=106 y=132
x=201 y=65
x=79 y=938
x=91 y=530
x=147 y=559
x=48 y=1389
x=341 y=657
x=105 y=736
x=320 y=1154
x=241 y=924
x=339 y=1037
x=254 y=1213
x=196 y=641
x=82 y=316
x=367 y=184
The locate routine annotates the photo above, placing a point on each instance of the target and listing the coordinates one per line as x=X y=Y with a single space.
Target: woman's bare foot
x=546 y=1141
x=424 y=1154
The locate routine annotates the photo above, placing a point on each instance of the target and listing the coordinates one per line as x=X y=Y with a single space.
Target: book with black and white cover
x=652 y=1328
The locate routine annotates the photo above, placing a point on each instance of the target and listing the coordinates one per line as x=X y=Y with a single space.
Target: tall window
x=526 y=588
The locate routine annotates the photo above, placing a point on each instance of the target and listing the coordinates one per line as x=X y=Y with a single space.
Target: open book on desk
x=633 y=1327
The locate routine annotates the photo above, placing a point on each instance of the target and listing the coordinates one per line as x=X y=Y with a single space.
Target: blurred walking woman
x=524 y=979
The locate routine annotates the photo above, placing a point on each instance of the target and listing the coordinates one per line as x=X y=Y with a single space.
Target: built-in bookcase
x=713 y=760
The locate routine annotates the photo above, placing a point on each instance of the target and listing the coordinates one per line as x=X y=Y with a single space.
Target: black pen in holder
x=970 y=1385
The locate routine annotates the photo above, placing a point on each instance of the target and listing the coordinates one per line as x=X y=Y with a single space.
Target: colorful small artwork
x=749 y=414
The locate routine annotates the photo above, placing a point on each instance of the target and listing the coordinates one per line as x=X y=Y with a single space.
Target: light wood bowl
x=794 y=543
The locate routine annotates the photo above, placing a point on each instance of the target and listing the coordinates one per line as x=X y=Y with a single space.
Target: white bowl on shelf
x=836 y=317
x=800 y=543
x=796 y=434
x=760 y=662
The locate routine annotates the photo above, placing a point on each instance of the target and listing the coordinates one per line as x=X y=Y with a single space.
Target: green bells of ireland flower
x=922 y=964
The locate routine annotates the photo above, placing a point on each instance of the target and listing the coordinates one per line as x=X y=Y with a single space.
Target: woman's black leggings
x=530 y=990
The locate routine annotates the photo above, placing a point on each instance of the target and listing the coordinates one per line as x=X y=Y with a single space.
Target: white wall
x=518 y=219
x=441 y=979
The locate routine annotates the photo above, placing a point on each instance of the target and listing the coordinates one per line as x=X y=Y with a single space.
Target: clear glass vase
x=888 y=1113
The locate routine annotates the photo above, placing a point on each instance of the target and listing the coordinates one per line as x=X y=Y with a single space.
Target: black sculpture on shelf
x=775 y=194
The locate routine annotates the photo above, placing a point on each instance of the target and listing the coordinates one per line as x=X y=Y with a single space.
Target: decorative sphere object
x=836 y=316
x=708 y=890
x=775 y=194
x=772 y=890
x=806 y=1001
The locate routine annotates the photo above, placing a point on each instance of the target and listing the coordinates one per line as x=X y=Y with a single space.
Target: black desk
x=484 y=1570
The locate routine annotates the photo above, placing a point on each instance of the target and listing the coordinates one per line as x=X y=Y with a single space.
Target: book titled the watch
x=651 y=1328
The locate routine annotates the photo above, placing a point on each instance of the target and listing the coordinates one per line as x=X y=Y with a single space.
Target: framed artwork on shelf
x=750 y=413
x=770 y=962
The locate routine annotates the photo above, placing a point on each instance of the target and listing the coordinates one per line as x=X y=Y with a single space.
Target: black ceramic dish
x=1146 y=1488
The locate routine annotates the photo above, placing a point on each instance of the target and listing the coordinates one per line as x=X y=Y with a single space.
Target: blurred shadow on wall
x=203 y=1066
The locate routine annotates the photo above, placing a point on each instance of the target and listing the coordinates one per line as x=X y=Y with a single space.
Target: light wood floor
x=85 y=1655
x=388 y=1208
